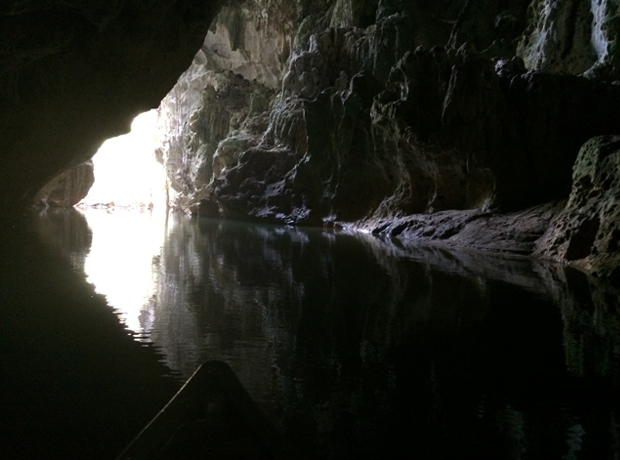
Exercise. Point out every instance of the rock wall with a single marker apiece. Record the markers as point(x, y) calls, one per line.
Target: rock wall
point(412, 119)
point(587, 231)
point(573, 36)
point(320, 112)
point(75, 72)
point(69, 188)
point(225, 94)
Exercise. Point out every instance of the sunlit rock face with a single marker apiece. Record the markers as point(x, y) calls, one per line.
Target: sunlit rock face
point(76, 72)
point(218, 106)
point(226, 94)
point(577, 37)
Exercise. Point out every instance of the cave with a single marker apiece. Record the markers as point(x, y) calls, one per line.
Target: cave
point(394, 193)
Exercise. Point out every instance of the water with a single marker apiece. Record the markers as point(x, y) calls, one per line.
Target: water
point(356, 347)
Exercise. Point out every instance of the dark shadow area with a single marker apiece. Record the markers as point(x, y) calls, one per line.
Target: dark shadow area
point(75, 384)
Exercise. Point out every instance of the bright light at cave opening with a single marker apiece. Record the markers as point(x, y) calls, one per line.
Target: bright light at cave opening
point(126, 172)
point(126, 242)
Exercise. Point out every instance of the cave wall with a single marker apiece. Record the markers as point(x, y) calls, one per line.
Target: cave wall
point(386, 108)
point(75, 72)
point(586, 232)
point(573, 36)
point(68, 188)
point(371, 111)
point(323, 112)
point(226, 93)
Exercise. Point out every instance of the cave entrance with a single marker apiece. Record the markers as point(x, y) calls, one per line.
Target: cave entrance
point(126, 172)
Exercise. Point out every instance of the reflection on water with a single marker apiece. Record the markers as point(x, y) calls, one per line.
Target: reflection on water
point(73, 383)
point(120, 260)
point(357, 347)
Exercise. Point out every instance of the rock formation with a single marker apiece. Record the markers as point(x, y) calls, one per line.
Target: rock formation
point(224, 95)
point(68, 188)
point(444, 120)
point(74, 72)
point(587, 231)
point(575, 37)
point(410, 119)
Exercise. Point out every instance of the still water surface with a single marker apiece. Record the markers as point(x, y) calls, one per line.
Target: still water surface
point(359, 348)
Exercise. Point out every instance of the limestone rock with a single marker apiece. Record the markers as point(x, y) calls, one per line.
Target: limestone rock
point(492, 27)
point(253, 38)
point(444, 131)
point(586, 233)
point(573, 37)
point(317, 58)
point(514, 233)
point(222, 104)
point(69, 188)
point(223, 95)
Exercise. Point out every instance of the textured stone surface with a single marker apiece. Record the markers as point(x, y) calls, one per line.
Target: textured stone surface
point(196, 120)
point(300, 63)
point(392, 111)
point(254, 38)
point(507, 233)
point(333, 112)
point(69, 188)
point(231, 82)
point(445, 131)
point(573, 36)
point(587, 232)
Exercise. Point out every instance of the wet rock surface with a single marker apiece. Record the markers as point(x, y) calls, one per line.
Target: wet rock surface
point(510, 233)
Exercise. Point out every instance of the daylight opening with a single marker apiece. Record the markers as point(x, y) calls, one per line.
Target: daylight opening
point(126, 172)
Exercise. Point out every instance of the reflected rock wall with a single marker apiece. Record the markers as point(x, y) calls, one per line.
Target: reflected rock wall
point(351, 343)
point(330, 331)
point(75, 383)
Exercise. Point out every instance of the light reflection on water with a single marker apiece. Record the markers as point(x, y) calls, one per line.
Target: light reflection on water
point(358, 347)
point(120, 261)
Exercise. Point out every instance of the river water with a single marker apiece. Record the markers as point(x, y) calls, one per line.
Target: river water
point(356, 347)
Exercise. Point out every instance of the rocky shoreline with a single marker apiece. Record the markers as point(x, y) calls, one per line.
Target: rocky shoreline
point(451, 121)
point(443, 124)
